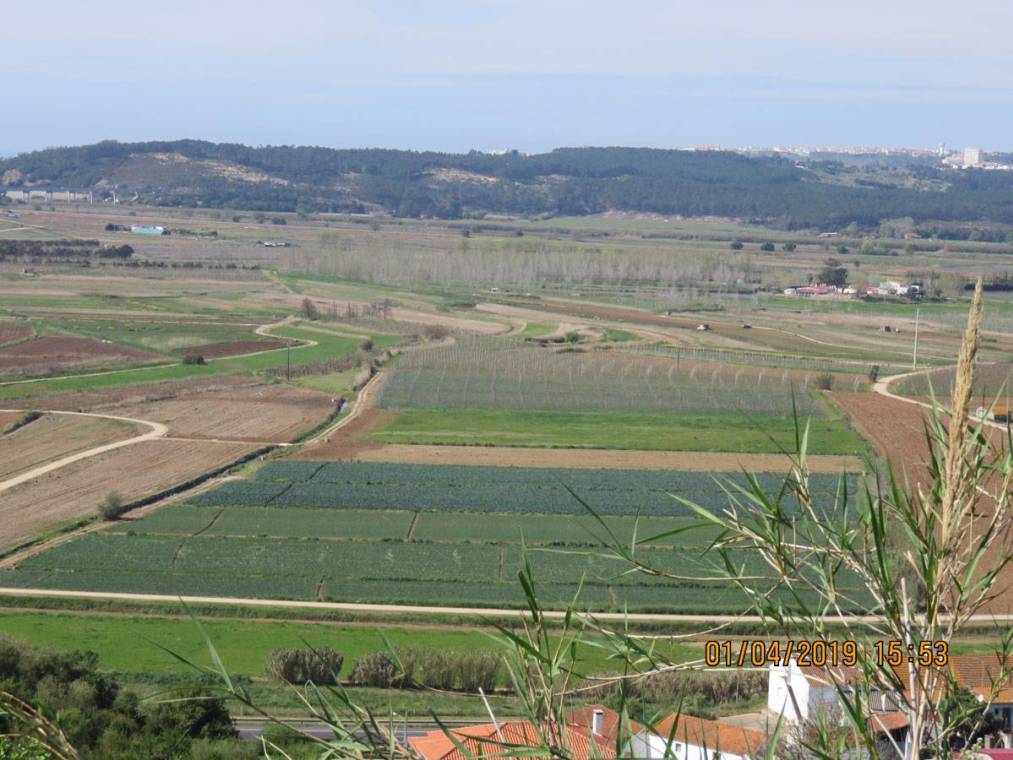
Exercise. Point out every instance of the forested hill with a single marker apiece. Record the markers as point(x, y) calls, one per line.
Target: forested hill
point(817, 194)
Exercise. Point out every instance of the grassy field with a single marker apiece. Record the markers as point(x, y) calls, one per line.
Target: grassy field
point(614, 430)
point(132, 645)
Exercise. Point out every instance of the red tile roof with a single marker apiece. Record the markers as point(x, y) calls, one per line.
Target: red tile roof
point(497, 739)
point(711, 734)
point(888, 721)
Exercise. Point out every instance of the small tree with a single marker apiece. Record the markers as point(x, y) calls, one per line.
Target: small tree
point(768, 247)
point(309, 310)
point(736, 245)
point(111, 507)
point(789, 247)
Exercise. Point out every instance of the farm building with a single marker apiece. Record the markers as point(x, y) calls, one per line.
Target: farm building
point(894, 288)
point(145, 230)
point(808, 291)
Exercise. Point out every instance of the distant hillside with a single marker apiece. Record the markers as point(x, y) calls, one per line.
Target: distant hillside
point(571, 181)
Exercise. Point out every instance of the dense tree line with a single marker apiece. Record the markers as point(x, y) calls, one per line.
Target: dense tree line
point(62, 249)
point(564, 181)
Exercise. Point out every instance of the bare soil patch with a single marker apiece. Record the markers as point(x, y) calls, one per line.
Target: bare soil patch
point(235, 348)
point(134, 472)
point(593, 459)
point(56, 436)
point(11, 332)
point(261, 413)
point(58, 352)
point(352, 440)
point(895, 428)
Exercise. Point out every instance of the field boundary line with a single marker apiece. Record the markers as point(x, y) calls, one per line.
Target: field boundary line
point(428, 610)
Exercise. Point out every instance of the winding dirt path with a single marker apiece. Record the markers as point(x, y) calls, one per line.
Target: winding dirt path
point(156, 430)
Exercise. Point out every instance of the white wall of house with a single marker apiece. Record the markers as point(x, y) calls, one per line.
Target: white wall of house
point(653, 746)
point(797, 698)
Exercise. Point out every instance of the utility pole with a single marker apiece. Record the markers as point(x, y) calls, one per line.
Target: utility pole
point(914, 355)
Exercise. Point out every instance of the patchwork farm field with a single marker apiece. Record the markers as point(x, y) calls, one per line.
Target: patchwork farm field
point(395, 534)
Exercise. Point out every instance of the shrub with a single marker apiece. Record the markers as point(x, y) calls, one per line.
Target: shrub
point(736, 245)
point(366, 345)
point(477, 671)
point(435, 332)
point(321, 666)
point(825, 381)
point(193, 358)
point(376, 669)
point(112, 507)
point(789, 247)
point(767, 247)
point(873, 373)
point(309, 310)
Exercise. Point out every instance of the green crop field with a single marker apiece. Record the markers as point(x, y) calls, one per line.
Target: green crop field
point(460, 488)
point(388, 533)
point(615, 430)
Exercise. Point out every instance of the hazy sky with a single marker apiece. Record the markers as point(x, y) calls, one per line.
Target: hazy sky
point(526, 74)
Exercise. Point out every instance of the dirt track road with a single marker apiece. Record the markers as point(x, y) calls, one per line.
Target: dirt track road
point(420, 609)
point(157, 430)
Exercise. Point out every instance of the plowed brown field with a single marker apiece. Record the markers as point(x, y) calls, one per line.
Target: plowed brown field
point(14, 331)
point(262, 413)
point(76, 490)
point(57, 352)
point(897, 430)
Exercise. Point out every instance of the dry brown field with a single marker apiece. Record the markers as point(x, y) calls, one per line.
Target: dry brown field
point(696, 461)
point(54, 436)
point(54, 352)
point(11, 332)
point(9, 418)
point(134, 472)
point(256, 414)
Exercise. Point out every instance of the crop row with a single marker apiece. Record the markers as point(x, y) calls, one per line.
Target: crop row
point(373, 572)
point(469, 476)
point(475, 375)
point(352, 524)
point(500, 498)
